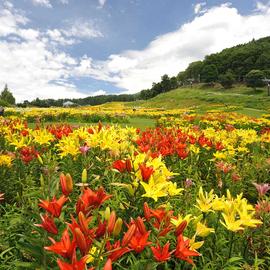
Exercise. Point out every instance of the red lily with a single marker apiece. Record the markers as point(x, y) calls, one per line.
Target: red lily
point(139, 241)
point(182, 153)
point(55, 206)
point(65, 247)
point(82, 235)
point(75, 265)
point(48, 224)
point(162, 254)
point(115, 250)
point(108, 265)
point(101, 229)
point(91, 199)
point(146, 172)
point(183, 251)
point(119, 165)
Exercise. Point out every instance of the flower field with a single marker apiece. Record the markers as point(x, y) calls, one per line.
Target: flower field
point(191, 193)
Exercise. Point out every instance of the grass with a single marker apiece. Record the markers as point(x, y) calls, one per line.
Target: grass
point(136, 122)
point(202, 99)
point(247, 101)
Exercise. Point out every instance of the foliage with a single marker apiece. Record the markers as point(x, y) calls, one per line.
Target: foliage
point(209, 73)
point(152, 199)
point(255, 78)
point(7, 96)
point(226, 80)
point(238, 61)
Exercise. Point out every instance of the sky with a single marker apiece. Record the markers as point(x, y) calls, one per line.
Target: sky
point(78, 48)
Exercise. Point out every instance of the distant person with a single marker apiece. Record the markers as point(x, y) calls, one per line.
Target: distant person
point(2, 110)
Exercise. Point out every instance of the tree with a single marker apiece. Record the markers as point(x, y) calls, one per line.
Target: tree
point(194, 70)
point(226, 80)
point(7, 96)
point(209, 74)
point(255, 78)
point(165, 83)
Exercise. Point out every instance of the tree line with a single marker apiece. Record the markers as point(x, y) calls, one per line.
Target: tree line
point(247, 63)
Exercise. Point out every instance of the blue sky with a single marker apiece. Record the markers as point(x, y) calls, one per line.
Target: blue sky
point(76, 48)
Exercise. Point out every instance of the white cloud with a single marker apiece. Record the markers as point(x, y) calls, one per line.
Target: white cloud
point(45, 3)
point(198, 8)
point(10, 20)
point(98, 93)
point(29, 64)
point(102, 3)
point(33, 64)
point(81, 29)
point(263, 7)
point(207, 33)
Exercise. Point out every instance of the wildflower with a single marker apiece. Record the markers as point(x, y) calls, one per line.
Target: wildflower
point(179, 230)
point(91, 199)
point(262, 207)
point(92, 254)
point(78, 265)
point(161, 254)
point(108, 265)
point(205, 199)
point(146, 172)
point(262, 188)
point(154, 190)
point(55, 206)
point(177, 221)
point(139, 241)
point(202, 230)
point(48, 224)
point(5, 160)
point(116, 251)
point(84, 149)
point(65, 247)
point(236, 177)
point(183, 250)
point(188, 183)
point(119, 165)
point(231, 224)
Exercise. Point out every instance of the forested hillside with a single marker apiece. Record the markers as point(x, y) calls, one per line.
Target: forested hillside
point(247, 63)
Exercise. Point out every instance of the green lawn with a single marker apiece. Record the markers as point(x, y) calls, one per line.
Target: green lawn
point(247, 100)
point(136, 122)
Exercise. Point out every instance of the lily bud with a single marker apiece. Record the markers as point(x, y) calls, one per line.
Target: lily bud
point(80, 240)
point(111, 222)
point(107, 213)
point(179, 230)
point(84, 176)
point(40, 159)
point(117, 227)
point(140, 225)
point(41, 181)
point(146, 211)
point(128, 235)
point(83, 222)
point(66, 184)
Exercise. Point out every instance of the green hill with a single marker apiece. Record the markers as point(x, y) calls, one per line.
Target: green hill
point(239, 98)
